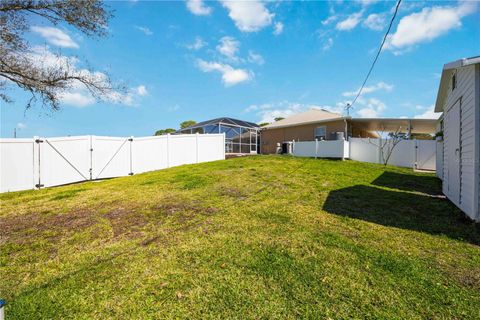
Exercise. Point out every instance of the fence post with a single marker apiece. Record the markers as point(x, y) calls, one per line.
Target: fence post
point(316, 148)
point(415, 150)
point(196, 145)
point(168, 150)
point(224, 145)
point(91, 158)
point(37, 163)
point(131, 158)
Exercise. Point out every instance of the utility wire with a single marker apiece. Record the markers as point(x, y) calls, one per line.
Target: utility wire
point(350, 105)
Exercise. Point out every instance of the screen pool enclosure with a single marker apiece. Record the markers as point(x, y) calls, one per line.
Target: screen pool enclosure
point(240, 136)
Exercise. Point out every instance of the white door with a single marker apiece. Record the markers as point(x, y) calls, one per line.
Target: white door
point(453, 152)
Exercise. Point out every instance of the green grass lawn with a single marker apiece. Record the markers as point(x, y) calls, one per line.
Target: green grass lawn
point(256, 237)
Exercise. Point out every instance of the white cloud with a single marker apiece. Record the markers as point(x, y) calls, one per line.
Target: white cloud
point(369, 89)
point(375, 22)
point(328, 44)
point(230, 75)
point(350, 22)
point(372, 108)
point(76, 99)
point(55, 36)
point(367, 2)
point(173, 108)
point(21, 125)
point(145, 30)
point(229, 47)
point(249, 16)
point(428, 114)
point(141, 90)
point(197, 44)
point(428, 24)
point(197, 7)
point(255, 58)
point(329, 20)
point(278, 28)
point(267, 112)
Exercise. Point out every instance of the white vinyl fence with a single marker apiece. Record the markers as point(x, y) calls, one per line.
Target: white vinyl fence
point(45, 162)
point(418, 154)
point(440, 159)
point(321, 149)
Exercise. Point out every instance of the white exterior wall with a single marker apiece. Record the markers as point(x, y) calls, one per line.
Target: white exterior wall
point(25, 164)
point(467, 92)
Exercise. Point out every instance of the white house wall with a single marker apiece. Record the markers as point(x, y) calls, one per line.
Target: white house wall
point(465, 90)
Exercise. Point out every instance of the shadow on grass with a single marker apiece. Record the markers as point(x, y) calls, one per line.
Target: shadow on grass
point(409, 182)
point(403, 210)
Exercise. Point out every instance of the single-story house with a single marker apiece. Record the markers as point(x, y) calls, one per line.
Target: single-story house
point(325, 125)
point(459, 99)
point(241, 137)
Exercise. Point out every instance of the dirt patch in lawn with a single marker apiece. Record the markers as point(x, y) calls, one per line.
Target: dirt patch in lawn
point(23, 229)
point(126, 220)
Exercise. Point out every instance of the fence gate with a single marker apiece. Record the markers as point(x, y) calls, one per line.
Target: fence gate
point(62, 160)
point(111, 157)
point(425, 151)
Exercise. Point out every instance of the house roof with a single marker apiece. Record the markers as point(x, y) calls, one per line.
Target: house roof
point(447, 73)
point(368, 124)
point(310, 116)
point(224, 120)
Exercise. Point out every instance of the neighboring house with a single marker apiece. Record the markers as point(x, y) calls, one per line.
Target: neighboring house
point(325, 125)
point(459, 99)
point(240, 136)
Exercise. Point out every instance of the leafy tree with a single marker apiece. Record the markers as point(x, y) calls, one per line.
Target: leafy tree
point(279, 118)
point(263, 124)
point(48, 76)
point(164, 131)
point(187, 123)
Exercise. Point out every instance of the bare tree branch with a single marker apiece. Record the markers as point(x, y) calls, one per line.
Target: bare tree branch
point(50, 76)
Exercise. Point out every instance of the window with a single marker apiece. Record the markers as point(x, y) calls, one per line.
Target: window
point(454, 81)
point(321, 133)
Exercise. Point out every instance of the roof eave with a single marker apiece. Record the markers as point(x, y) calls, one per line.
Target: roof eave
point(447, 69)
point(273, 126)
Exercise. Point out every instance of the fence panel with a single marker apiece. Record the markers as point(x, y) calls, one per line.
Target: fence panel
point(18, 158)
point(321, 149)
point(364, 150)
point(439, 159)
point(110, 157)
point(211, 147)
point(426, 154)
point(332, 149)
point(304, 149)
point(64, 160)
point(149, 154)
point(403, 154)
point(182, 149)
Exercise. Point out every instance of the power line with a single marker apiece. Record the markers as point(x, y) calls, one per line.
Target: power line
point(350, 105)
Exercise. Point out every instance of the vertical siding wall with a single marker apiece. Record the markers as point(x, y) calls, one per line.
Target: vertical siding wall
point(466, 92)
point(477, 135)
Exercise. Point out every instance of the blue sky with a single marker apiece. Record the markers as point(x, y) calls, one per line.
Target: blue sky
point(254, 61)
